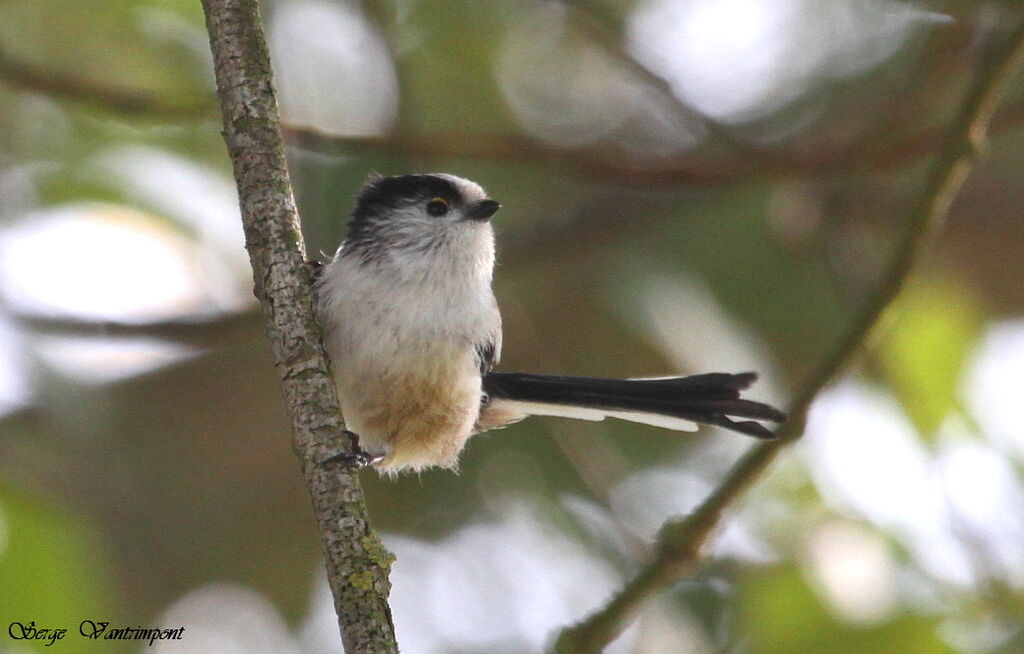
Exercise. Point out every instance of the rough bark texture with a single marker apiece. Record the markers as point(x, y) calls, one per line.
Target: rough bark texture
point(357, 563)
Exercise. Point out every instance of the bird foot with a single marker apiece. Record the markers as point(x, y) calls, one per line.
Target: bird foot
point(356, 459)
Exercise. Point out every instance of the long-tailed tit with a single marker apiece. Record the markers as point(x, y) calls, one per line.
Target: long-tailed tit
point(413, 332)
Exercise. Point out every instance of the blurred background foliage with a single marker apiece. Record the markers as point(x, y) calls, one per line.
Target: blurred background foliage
point(688, 185)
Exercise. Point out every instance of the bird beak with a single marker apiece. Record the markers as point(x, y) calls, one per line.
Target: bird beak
point(483, 210)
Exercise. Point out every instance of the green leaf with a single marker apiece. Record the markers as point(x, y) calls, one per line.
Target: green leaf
point(779, 612)
point(51, 572)
point(924, 352)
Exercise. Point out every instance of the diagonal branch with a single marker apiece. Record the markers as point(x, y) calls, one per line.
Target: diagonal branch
point(357, 563)
point(603, 30)
point(680, 541)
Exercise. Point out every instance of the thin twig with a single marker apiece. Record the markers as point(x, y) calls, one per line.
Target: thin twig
point(603, 30)
point(636, 170)
point(688, 171)
point(118, 100)
point(680, 541)
point(357, 563)
point(198, 331)
point(660, 172)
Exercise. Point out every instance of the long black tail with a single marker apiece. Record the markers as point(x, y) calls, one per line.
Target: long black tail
point(671, 402)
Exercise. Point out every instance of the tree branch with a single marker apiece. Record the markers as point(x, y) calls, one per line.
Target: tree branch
point(687, 171)
point(201, 331)
point(357, 563)
point(604, 31)
point(680, 541)
point(117, 100)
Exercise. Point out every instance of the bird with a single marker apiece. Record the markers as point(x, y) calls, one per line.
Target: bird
point(413, 332)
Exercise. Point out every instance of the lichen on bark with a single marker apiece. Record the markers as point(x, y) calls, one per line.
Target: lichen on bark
point(357, 563)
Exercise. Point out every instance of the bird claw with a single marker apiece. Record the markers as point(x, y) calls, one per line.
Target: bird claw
point(357, 459)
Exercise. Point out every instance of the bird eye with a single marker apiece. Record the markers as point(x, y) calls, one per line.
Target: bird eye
point(437, 207)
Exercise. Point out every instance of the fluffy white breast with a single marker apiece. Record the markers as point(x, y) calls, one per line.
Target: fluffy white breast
point(409, 315)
